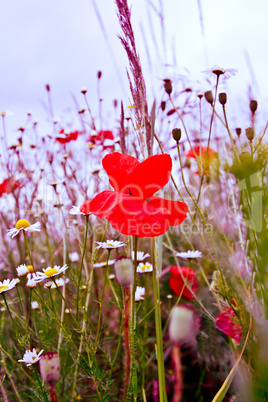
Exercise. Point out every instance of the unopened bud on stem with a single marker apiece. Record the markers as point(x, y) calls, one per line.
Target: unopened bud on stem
point(124, 271)
point(253, 106)
point(250, 133)
point(209, 97)
point(168, 86)
point(223, 98)
point(176, 132)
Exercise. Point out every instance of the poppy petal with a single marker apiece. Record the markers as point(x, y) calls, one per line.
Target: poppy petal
point(225, 323)
point(119, 167)
point(177, 279)
point(137, 218)
point(175, 211)
point(102, 204)
point(150, 176)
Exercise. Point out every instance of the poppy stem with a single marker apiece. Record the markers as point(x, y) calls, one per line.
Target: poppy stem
point(176, 357)
point(80, 268)
point(132, 326)
point(159, 335)
point(127, 345)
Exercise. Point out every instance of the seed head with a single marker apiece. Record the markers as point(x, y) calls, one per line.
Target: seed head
point(238, 131)
point(168, 86)
point(176, 132)
point(253, 104)
point(209, 97)
point(223, 98)
point(250, 133)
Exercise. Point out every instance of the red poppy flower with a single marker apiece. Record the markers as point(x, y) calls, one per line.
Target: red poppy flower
point(225, 322)
point(132, 209)
point(203, 156)
point(71, 137)
point(177, 279)
point(100, 137)
point(8, 185)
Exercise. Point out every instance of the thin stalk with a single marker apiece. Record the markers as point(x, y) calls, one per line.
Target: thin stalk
point(159, 335)
point(80, 268)
point(229, 133)
point(4, 297)
point(176, 356)
point(28, 250)
point(29, 316)
point(65, 302)
point(3, 362)
point(40, 384)
point(127, 346)
point(101, 300)
point(64, 286)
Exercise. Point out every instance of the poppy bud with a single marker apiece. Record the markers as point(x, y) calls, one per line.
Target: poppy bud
point(250, 133)
point(47, 87)
point(238, 131)
point(200, 96)
point(124, 271)
point(176, 132)
point(115, 103)
point(188, 162)
point(182, 327)
point(253, 104)
point(49, 365)
point(163, 105)
point(222, 98)
point(209, 97)
point(99, 74)
point(83, 91)
point(168, 86)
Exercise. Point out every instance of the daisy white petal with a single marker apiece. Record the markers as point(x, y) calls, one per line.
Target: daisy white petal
point(49, 272)
point(75, 211)
point(144, 267)
point(31, 357)
point(59, 283)
point(7, 284)
point(23, 224)
point(190, 254)
point(140, 255)
point(139, 293)
point(103, 264)
point(74, 256)
point(110, 244)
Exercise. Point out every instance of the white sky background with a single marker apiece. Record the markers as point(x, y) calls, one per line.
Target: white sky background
point(60, 42)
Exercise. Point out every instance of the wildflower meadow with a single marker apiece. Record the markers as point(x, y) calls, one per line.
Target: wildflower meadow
point(134, 258)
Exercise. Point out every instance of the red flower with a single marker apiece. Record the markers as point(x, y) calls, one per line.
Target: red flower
point(71, 137)
point(100, 137)
point(8, 185)
point(204, 157)
point(225, 322)
point(132, 209)
point(177, 279)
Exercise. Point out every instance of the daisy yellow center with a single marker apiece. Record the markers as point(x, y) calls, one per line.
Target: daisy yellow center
point(22, 224)
point(33, 357)
point(30, 268)
point(51, 271)
point(3, 288)
point(110, 245)
point(144, 267)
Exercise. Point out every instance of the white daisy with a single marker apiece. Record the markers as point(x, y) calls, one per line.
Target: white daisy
point(7, 284)
point(23, 224)
point(59, 282)
point(74, 256)
point(103, 264)
point(75, 210)
point(31, 283)
point(49, 272)
point(190, 254)
point(144, 267)
point(34, 305)
point(31, 357)
point(24, 270)
point(139, 293)
point(110, 244)
point(140, 255)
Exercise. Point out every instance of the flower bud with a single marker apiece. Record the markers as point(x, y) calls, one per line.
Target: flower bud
point(253, 104)
point(163, 105)
point(238, 131)
point(124, 271)
point(168, 86)
point(99, 74)
point(47, 87)
point(222, 98)
point(49, 365)
point(250, 133)
point(182, 326)
point(209, 97)
point(176, 132)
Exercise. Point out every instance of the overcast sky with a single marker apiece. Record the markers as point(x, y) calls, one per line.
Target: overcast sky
point(61, 42)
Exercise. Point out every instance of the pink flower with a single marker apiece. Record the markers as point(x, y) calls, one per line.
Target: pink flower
point(225, 322)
